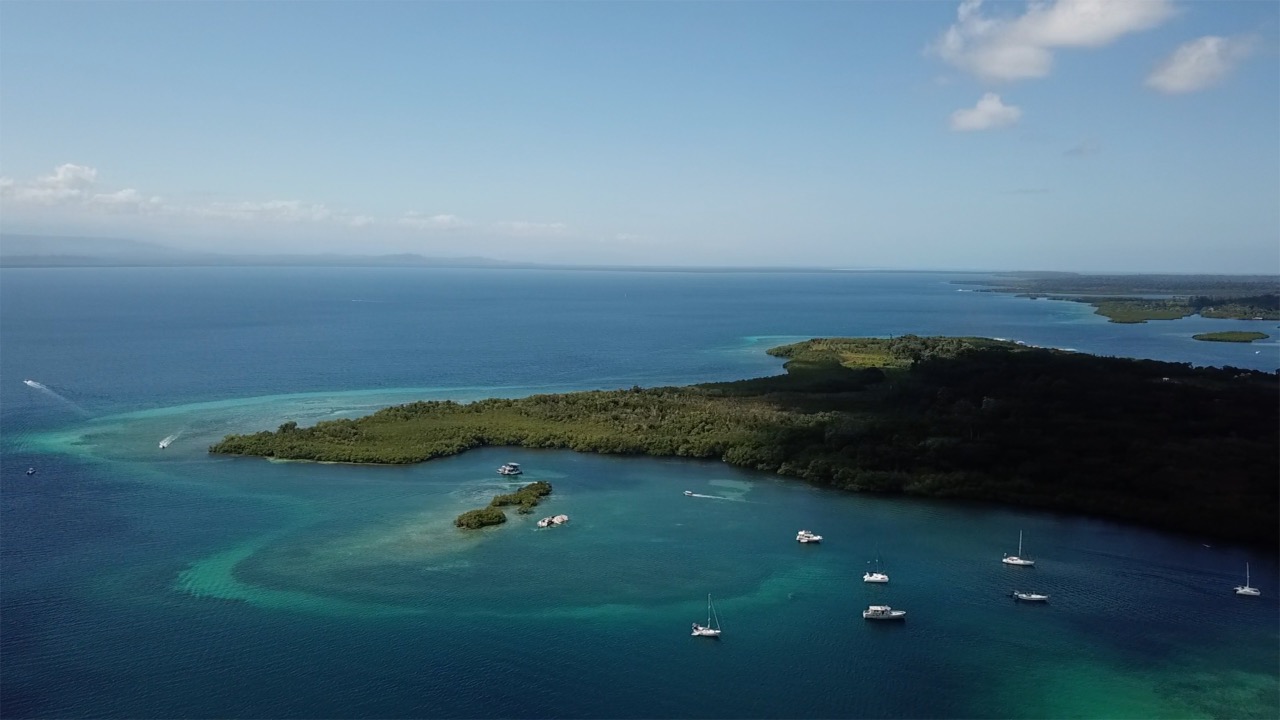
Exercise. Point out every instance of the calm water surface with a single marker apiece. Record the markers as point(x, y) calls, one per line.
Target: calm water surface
point(140, 582)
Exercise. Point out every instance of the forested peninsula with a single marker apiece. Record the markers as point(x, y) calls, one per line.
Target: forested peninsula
point(1163, 444)
point(1139, 298)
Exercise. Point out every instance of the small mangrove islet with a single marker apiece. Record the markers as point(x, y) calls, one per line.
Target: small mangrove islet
point(1236, 336)
point(1163, 444)
point(525, 498)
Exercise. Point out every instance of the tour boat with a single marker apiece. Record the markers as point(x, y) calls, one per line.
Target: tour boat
point(805, 536)
point(1029, 597)
point(1018, 559)
point(510, 469)
point(708, 630)
point(1245, 589)
point(883, 612)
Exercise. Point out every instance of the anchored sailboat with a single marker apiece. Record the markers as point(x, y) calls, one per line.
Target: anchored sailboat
point(1245, 589)
point(1018, 559)
point(708, 630)
point(877, 575)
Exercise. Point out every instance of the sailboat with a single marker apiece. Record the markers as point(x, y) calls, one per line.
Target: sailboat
point(1245, 589)
point(877, 575)
point(708, 630)
point(1018, 559)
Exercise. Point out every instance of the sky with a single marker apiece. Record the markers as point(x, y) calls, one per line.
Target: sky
point(1080, 135)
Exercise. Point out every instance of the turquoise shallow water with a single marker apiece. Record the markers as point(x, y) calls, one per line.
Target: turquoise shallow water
point(140, 582)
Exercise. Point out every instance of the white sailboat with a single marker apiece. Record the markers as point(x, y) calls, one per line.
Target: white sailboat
point(877, 575)
point(1018, 559)
point(1245, 589)
point(708, 630)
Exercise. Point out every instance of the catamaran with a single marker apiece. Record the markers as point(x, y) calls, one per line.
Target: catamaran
point(1018, 559)
point(708, 630)
point(1245, 589)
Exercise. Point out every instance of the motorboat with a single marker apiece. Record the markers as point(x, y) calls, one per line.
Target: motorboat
point(1029, 597)
point(883, 612)
point(553, 521)
point(510, 469)
point(1240, 589)
point(805, 536)
point(688, 493)
point(31, 471)
point(1018, 559)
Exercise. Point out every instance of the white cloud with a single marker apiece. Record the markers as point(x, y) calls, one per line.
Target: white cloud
point(289, 211)
point(433, 222)
point(1022, 47)
point(990, 113)
point(531, 229)
point(1199, 64)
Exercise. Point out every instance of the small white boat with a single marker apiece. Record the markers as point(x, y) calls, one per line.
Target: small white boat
point(31, 471)
point(1018, 559)
point(877, 575)
point(805, 536)
point(167, 441)
point(1245, 589)
point(688, 492)
point(1029, 597)
point(883, 612)
point(510, 469)
point(553, 520)
point(709, 630)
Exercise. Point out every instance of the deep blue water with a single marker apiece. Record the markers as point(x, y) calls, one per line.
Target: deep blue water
point(139, 582)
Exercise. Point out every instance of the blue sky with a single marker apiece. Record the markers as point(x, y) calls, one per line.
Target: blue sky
point(1094, 135)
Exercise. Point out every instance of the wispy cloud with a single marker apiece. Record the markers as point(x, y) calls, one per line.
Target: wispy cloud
point(1084, 148)
point(522, 228)
point(422, 221)
point(989, 114)
point(1199, 64)
point(1022, 47)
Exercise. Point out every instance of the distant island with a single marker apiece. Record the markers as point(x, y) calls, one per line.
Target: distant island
point(1231, 336)
point(1163, 444)
point(1139, 298)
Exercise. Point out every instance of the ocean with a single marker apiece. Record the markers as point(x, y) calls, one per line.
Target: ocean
point(140, 582)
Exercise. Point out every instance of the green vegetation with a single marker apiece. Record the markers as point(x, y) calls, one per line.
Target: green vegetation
point(1231, 336)
point(526, 498)
point(483, 517)
point(1125, 298)
point(1166, 444)
point(1138, 310)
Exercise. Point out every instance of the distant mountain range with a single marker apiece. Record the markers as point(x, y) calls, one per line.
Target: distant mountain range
point(48, 251)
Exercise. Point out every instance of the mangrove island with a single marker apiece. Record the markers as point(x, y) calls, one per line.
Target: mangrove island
point(1163, 444)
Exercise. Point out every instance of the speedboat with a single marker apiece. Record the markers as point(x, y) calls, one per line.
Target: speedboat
point(875, 577)
point(883, 612)
point(688, 492)
point(1029, 597)
point(805, 536)
point(510, 469)
point(31, 471)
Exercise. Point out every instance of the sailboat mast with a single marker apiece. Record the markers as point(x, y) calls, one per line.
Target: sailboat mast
point(1019, 543)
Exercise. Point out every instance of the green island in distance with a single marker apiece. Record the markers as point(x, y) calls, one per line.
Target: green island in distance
point(1231, 336)
point(1167, 445)
point(1139, 298)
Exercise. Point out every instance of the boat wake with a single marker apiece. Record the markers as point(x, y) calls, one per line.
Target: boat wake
point(47, 391)
point(708, 497)
point(169, 440)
